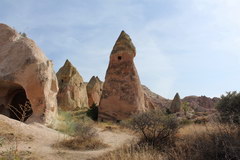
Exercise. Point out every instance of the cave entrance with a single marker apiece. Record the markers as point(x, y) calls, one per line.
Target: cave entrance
point(14, 102)
point(20, 107)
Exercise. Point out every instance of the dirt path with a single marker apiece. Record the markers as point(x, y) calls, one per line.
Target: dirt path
point(37, 139)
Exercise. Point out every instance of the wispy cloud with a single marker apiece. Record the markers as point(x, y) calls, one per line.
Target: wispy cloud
point(187, 46)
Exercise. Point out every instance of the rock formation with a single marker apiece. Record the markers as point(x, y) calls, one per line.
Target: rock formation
point(94, 91)
point(153, 100)
point(122, 92)
point(176, 104)
point(202, 103)
point(72, 90)
point(26, 76)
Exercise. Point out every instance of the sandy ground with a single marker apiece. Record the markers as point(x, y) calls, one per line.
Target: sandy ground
point(36, 140)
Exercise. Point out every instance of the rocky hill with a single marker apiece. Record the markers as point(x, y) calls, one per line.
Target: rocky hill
point(202, 103)
point(153, 100)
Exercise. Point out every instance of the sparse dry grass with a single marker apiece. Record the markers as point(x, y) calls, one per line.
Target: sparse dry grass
point(195, 142)
point(83, 136)
point(132, 152)
point(7, 132)
point(207, 142)
point(193, 129)
point(113, 127)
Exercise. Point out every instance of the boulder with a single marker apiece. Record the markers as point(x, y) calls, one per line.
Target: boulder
point(72, 90)
point(26, 79)
point(122, 91)
point(94, 91)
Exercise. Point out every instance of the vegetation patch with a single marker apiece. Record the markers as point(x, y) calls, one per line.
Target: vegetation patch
point(155, 128)
point(79, 143)
point(216, 143)
point(132, 152)
point(229, 107)
point(79, 127)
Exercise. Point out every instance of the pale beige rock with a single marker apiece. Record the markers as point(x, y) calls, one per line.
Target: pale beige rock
point(25, 73)
point(122, 92)
point(94, 91)
point(72, 90)
point(154, 101)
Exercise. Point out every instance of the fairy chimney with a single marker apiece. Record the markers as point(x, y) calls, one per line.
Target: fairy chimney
point(72, 90)
point(94, 91)
point(176, 104)
point(122, 92)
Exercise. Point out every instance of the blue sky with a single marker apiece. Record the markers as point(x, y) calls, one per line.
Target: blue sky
point(186, 46)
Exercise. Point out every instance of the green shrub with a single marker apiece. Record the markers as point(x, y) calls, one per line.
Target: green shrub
point(93, 112)
point(155, 128)
point(229, 107)
point(23, 34)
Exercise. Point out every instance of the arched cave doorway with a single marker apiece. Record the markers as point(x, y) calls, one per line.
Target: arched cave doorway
point(20, 107)
point(14, 102)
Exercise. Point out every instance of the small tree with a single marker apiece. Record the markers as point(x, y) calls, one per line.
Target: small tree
point(23, 34)
point(229, 107)
point(185, 106)
point(176, 104)
point(155, 128)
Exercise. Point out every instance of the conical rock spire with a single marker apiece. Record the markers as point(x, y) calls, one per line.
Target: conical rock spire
point(72, 90)
point(122, 93)
point(124, 43)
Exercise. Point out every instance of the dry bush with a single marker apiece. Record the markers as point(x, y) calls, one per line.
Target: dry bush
point(24, 111)
point(221, 142)
point(79, 143)
point(155, 128)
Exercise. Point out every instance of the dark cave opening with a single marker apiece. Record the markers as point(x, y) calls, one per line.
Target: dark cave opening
point(20, 107)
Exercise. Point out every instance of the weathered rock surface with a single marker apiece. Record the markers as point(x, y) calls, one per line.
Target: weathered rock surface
point(202, 103)
point(122, 92)
point(72, 90)
point(94, 91)
point(176, 104)
point(153, 100)
point(26, 74)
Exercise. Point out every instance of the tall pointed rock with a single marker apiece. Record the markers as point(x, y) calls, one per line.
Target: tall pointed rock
point(94, 91)
point(176, 104)
point(72, 90)
point(122, 92)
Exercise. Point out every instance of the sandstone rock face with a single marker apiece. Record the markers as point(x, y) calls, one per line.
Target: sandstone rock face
point(122, 92)
point(72, 90)
point(26, 75)
point(153, 100)
point(94, 91)
point(176, 104)
point(202, 103)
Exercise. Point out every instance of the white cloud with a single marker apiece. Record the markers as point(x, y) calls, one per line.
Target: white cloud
point(179, 43)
